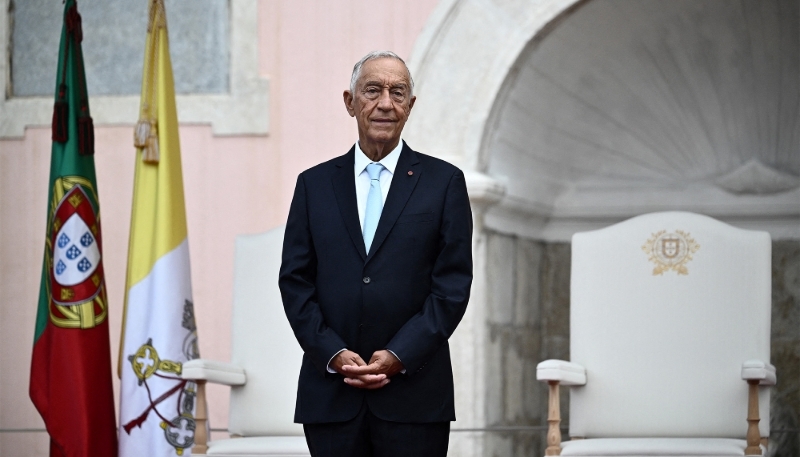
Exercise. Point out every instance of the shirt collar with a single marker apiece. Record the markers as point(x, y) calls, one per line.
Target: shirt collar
point(390, 161)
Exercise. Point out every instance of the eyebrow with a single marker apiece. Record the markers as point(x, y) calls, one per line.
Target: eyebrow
point(403, 85)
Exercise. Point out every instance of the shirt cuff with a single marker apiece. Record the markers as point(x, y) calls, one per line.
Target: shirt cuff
point(403, 371)
point(331, 370)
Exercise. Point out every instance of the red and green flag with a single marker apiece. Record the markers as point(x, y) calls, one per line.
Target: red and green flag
point(70, 382)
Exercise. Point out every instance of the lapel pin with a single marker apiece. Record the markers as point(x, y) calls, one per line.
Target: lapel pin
point(410, 173)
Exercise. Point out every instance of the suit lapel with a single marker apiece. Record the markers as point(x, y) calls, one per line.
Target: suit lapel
point(344, 186)
point(403, 184)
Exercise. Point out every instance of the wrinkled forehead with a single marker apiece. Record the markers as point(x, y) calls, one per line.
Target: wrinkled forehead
point(385, 70)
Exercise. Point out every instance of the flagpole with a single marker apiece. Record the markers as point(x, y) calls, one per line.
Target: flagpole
point(157, 407)
point(71, 374)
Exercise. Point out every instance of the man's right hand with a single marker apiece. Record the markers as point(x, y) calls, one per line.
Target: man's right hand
point(363, 381)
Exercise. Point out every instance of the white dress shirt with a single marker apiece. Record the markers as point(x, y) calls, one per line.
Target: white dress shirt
point(362, 190)
point(362, 177)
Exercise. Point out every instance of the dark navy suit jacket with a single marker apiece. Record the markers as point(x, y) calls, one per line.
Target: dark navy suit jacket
point(407, 295)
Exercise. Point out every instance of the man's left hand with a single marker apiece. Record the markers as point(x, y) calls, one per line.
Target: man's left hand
point(381, 362)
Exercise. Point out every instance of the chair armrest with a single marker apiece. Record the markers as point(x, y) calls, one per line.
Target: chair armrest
point(566, 373)
point(757, 370)
point(213, 371)
point(202, 370)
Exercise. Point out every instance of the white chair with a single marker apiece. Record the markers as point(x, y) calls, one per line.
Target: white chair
point(669, 341)
point(265, 361)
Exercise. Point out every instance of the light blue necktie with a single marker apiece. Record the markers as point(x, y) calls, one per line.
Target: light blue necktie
point(374, 203)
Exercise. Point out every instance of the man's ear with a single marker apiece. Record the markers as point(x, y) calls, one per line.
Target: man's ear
point(348, 103)
point(411, 103)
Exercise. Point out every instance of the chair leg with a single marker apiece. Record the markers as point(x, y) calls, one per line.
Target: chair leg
point(554, 421)
point(753, 435)
point(201, 421)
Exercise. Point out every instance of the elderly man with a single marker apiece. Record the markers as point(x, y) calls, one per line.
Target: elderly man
point(376, 274)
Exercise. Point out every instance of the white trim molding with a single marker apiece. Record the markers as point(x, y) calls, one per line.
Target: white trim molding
point(244, 110)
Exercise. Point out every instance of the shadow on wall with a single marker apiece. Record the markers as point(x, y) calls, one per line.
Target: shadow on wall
point(785, 423)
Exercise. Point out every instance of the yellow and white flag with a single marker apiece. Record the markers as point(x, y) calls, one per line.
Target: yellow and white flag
point(158, 332)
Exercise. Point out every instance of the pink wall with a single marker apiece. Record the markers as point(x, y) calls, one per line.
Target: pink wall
point(233, 185)
point(308, 50)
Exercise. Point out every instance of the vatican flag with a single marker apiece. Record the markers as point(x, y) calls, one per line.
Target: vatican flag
point(156, 406)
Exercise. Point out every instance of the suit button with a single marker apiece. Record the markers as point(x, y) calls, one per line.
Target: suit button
point(366, 280)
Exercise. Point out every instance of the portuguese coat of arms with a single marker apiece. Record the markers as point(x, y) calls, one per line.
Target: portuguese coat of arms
point(73, 257)
point(670, 251)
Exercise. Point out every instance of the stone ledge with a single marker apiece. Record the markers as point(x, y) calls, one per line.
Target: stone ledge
point(243, 111)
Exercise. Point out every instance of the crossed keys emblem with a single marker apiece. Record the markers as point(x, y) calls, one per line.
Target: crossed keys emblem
point(145, 362)
point(178, 432)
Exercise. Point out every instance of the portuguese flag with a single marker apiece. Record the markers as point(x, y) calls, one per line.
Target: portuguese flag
point(70, 381)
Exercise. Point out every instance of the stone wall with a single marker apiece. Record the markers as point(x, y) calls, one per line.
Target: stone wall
point(785, 420)
point(528, 321)
point(113, 45)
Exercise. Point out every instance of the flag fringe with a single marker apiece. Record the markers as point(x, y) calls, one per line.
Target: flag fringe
point(60, 117)
point(85, 136)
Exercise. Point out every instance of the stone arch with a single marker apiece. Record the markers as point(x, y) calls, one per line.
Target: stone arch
point(473, 65)
point(704, 106)
point(472, 75)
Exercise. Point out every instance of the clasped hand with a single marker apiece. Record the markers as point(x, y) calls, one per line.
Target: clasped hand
point(357, 373)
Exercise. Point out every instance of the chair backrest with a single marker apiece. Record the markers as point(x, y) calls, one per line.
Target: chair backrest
point(262, 342)
point(664, 309)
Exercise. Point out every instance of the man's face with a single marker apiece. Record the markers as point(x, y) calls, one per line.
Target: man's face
point(381, 103)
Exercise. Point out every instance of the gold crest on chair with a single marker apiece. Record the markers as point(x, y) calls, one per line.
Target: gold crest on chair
point(670, 251)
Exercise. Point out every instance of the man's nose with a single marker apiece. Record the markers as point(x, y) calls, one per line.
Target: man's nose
point(385, 100)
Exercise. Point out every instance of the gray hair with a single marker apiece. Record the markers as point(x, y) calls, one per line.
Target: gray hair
point(378, 55)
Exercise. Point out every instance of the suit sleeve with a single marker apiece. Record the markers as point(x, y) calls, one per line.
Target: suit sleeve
point(297, 280)
point(451, 279)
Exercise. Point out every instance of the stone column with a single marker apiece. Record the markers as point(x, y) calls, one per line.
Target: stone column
point(468, 343)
